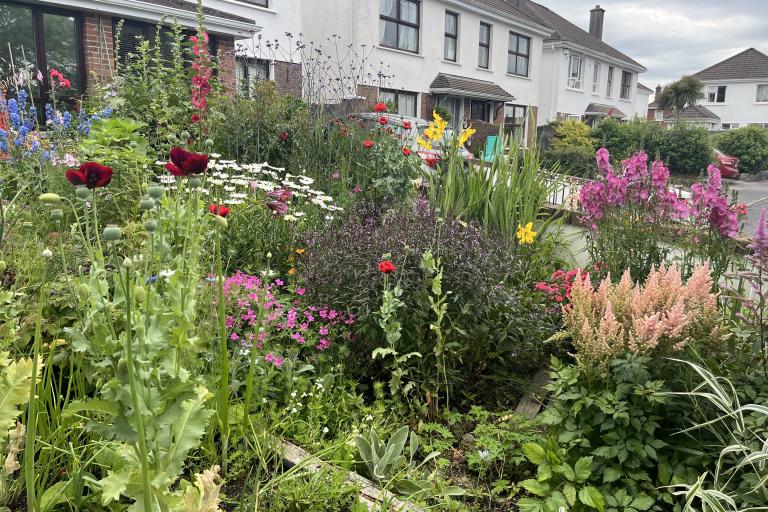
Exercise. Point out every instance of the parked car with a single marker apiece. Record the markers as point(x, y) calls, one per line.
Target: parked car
point(370, 120)
point(728, 165)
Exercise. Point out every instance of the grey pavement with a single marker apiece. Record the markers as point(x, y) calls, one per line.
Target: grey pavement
point(755, 195)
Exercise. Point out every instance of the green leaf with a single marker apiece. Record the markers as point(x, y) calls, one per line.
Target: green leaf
point(187, 431)
point(97, 405)
point(570, 493)
point(15, 381)
point(642, 502)
point(566, 470)
point(113, 485)
point(54, 495)
point(591, 497)
point(535, 487)
point(530, 505)
point(583, 469)
point(535, 453)
point(611, 474)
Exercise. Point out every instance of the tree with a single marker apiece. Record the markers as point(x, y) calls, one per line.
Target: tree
point(681, 93)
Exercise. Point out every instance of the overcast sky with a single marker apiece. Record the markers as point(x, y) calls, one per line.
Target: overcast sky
point(674, 37)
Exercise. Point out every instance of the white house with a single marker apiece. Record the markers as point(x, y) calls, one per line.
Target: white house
point(736, 90)
point(642, 100)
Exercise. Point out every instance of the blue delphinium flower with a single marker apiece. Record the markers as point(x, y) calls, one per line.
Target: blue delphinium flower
point(13, 113)
point(67, 119)
point(23, 99)
point(3, 141)
point(49, 112)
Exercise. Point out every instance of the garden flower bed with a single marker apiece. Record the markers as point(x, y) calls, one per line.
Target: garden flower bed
point(182, 324)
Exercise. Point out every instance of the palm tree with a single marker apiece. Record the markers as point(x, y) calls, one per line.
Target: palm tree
point(680, 94)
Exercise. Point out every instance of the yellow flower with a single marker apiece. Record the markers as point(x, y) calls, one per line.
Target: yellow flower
point(300, 251)
point(292, 271)
point(423, 143)
point(526, 234)
point(465, 135)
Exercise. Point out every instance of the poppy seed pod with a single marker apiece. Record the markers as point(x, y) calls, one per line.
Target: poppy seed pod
point(155, 192)
point(57, 215)
point(208, 143)
point(47, 254)
point(140, 293)
point(127, 262)
point(221, 221)
point(3, 266)
point(82, 291)
point(185, 135)
point(50, 198)
point(82, 193)
point(194, 182)
point(112, 233)
point(146, 204)
point(150, 226)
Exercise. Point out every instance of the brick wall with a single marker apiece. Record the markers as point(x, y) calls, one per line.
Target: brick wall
point(98, 48)
point(225, 47)
point(287, 77)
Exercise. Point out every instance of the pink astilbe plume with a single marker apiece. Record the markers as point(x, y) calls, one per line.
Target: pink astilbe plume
point(656, 318)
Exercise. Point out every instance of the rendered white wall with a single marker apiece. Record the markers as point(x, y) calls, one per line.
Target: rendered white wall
point(740, 103)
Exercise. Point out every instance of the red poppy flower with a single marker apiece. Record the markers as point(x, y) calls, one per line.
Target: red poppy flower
point(183, 162)
point(195, 118)
point(383, 121)
point(283, 136)
point(406, 152)
point(277, 207)
point(90, 174)
point(431, 162)
point(220, 210)
point(281, 195)
point(386, 267)
point(380, 107)
point(65, 83)
point(407, 125)
point(367, 144)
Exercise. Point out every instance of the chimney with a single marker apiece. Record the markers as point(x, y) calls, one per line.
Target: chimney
point(658, 91)
point(596, 16)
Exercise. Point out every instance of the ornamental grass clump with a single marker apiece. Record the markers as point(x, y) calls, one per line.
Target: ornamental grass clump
point(656, 318)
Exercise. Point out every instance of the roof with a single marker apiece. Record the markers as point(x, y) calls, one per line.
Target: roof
point(643, 88)
point(505, 7)
point(597, 109)
point(189, 6)
point(564, 30)
point(748, 64)
point(471, 87)
point(697, 112)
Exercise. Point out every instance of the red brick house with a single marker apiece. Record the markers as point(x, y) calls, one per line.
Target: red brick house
point(78, 37)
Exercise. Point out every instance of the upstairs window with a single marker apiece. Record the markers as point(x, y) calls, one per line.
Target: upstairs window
point(716, 94)
point(484, 58)
point(575, 67)
point(451, 36)
point(626, 84)
point(762, 93)
point(260, 3)
point(399, 24)
point(609, 86)
point(596, 78)
point(518, 54)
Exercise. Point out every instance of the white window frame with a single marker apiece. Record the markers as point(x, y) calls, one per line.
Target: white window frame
point(658, 115)
point(712, 93)
point(625, 73)
point(609, 83)
point(757, 95)
point(596, 78)
point(575, 82)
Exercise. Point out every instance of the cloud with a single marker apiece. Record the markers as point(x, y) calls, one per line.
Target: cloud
point(675, 37)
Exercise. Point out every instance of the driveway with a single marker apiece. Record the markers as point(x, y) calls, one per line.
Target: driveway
point(755, 195)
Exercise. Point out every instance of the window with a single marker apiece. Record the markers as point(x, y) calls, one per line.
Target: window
point(658, 115)
point(575, 65)
point(480, 110)
point(626, 85)
point(609, 87)
point(127, 39)
point(716, 94)
point(44, 39)
point(399, 24)
point(248, 71)
point(454, 105)
point(260, 3)
point(451, 36)
point(404, 102)
point(762, 93)
point(484, 59)
point(514, 121)
point(730, 126)
point(518, 54)
point(596, 78)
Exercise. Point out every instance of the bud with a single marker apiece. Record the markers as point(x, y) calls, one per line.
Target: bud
point(50, 198)
point(146, 204)
point(156, 192)
point(185, 135)
point(57, 215)
point(127, 262)
point(3, 266)
point(150, 226)
point(82, 193)
point(140, 293)
point(221, 221)
point(112, 233)
point(133, 144)
point(82, 291)
point(194, 182)
point(47, 254)
point(269, 255)
point(208, 143)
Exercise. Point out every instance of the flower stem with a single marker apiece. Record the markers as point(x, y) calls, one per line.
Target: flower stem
point(29, 447)
point(223, 408)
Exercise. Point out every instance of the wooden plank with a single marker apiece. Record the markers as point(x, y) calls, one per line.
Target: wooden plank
point(370, 495)
point(530, 405)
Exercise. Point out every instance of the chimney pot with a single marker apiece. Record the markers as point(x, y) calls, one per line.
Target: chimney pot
point(596, 17)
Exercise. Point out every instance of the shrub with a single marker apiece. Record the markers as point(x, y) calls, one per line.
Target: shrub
point(572, 147)
point(749, 144)
point(687, 149)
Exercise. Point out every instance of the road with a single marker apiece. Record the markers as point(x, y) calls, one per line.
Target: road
point(755, 195)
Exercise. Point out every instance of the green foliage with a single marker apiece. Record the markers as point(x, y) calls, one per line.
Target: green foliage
point(570, 133)
point(316, 491)
point(687, 149)
point(749, 144)
point(681, 93)
point(625, 139)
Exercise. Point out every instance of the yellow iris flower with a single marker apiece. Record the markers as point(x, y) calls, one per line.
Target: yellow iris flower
point(465, 135)
point(423, 143)
point(526, 234)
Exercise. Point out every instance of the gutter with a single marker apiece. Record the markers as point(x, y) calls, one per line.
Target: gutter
point(469, 94)
point(477, 7)
point(147, 11)
point(603, 56)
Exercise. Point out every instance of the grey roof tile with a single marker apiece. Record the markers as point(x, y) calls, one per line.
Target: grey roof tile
point(471, 86)
point(749, 64)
